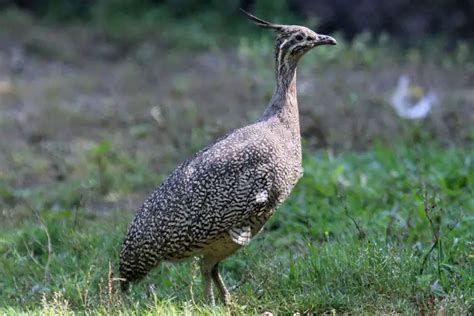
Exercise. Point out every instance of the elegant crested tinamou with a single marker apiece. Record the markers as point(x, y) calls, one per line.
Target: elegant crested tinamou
point(217, 200)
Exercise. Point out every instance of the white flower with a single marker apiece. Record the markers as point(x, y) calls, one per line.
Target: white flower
point(401, 103)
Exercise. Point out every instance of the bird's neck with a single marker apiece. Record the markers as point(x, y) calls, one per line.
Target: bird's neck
point(283, 105)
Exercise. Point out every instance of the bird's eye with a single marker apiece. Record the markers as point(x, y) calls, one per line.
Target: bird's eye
point(299, 37)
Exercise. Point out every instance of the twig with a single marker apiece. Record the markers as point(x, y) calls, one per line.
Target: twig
point(109, 281)
point(48, 237)
point(392, 218)
point(428, 209)
point(50, 250)
point(360, 231)
point(85, 296)
point(31, 255)
point(425, 258)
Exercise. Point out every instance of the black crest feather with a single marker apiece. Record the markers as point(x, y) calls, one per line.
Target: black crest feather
point(262, 23)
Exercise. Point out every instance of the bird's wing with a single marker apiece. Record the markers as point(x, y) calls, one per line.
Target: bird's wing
point(226, 185)
point(218, 189)
point(232, 189)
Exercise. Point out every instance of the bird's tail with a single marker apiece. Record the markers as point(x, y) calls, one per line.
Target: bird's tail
point(137, 256)
point(130, 272)
point(130, 269)
point(135, 263)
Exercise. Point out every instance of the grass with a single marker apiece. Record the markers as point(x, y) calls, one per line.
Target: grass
point(95, 116)
point(355, 236)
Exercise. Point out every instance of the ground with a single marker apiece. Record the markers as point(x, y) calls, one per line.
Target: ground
point(90, 124)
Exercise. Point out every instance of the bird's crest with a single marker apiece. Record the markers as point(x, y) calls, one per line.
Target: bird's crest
point(262, 23)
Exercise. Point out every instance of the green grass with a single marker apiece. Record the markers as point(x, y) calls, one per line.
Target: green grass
point(383, 230)
point(355, 236)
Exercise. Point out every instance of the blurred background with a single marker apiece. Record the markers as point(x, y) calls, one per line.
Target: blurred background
point(100, 100)
point(174, 75)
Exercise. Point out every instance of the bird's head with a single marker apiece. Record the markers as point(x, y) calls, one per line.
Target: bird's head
point(293, 41)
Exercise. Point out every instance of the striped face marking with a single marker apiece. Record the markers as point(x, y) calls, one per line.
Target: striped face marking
point(292, 44)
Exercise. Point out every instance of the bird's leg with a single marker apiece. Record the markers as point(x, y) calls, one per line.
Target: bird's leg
point(225, 295)
point(206, 272)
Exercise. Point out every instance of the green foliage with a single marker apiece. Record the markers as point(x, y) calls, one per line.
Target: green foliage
point(386, 230)
point(355, 236)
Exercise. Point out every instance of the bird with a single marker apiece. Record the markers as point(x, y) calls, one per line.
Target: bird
point(214, 202)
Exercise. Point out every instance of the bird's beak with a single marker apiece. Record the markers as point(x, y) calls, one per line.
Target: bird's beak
point(324, 40)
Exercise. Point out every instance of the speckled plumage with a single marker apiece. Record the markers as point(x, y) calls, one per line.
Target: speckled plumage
point(214, 202)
